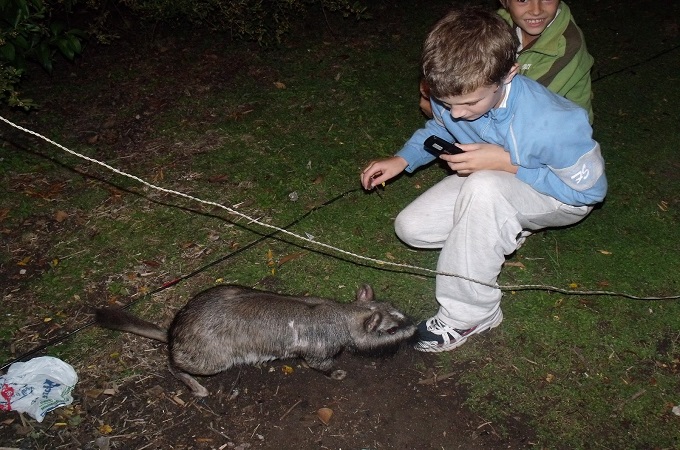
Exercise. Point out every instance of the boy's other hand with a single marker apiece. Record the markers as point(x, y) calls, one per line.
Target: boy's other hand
point(378, 172)
point(480, 156)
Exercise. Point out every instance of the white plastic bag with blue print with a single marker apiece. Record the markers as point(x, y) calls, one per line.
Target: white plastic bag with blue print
point(37, 386)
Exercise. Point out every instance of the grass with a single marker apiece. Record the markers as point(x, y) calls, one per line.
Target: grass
point(586, 371)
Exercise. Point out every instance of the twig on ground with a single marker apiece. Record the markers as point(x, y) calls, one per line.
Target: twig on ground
point(218, 432)
point(290, 409)
point(635, 396)
point(435, 378)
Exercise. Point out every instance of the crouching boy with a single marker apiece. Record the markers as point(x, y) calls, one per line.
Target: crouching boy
point(529, 162)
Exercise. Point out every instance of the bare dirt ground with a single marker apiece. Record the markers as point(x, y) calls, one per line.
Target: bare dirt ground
point(406, 401)
point(399, 402)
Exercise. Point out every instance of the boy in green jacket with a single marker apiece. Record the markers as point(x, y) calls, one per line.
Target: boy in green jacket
point(552, 50)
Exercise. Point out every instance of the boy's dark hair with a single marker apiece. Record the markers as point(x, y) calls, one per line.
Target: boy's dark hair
point(468, 48)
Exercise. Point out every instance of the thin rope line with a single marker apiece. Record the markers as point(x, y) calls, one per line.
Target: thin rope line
point(330, 247)
point(639, 63)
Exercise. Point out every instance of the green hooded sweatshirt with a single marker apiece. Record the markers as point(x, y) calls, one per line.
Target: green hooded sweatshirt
point(559, 59)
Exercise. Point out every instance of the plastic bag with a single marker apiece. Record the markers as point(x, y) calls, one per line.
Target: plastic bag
point(37, 386)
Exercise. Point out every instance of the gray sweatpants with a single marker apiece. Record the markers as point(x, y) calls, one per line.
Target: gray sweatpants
point(476, 221)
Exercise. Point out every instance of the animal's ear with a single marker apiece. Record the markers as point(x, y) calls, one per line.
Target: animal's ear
point(365, 293)
point(373, 322)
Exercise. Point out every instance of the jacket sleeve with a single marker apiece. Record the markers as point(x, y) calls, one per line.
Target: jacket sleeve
point(414, 151)
point(569, 75)
point(561, 159)
point(582, 183)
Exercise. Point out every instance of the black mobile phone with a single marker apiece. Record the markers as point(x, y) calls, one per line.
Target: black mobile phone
point(437, 145)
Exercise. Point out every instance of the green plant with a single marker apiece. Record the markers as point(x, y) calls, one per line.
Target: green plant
point(9, 78)
point(259, 20)
point(28, 32)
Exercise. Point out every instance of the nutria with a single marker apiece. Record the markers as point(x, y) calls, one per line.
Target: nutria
point(230, 325)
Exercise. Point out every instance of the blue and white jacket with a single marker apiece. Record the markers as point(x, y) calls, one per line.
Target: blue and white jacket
point(547, 136)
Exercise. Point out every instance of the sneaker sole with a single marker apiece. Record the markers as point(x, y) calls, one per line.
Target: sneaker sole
point(452, 345)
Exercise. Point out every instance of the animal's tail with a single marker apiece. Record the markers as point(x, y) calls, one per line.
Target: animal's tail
point(121, 320)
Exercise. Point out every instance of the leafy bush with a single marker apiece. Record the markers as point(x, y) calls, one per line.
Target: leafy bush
point(264, 21)
point(28, 33)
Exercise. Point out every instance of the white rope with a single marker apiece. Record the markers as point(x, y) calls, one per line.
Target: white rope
point(327, 246)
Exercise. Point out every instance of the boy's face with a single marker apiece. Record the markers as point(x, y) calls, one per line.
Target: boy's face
point(475, 104)
point(532, 16)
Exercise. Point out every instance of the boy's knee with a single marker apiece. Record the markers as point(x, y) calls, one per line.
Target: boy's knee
point(484, 185)
point(406, 228)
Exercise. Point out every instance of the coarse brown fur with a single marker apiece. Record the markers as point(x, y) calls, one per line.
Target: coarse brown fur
point(229, 325)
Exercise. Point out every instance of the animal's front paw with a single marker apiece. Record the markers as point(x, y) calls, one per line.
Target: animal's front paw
point(338, 374)
point(199, 391)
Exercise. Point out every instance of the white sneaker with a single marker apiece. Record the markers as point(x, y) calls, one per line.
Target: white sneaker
point(435, 336)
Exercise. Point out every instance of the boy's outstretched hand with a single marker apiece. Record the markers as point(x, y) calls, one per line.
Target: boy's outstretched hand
point(378, 172)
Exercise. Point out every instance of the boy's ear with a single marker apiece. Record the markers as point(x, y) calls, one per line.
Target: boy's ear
point(513, 71)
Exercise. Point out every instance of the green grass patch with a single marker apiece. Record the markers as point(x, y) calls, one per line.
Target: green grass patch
point(585, 371)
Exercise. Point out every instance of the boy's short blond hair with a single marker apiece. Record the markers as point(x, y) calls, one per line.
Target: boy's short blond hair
point(468, 48)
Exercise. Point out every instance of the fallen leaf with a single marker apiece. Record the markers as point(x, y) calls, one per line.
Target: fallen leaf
point(156, 391)
point(290, 257)
point(158, 176)
point(515, 264)
point(105, 429)
point(270, 258)
point(324, 415)
point(549, 378)
point(60, 216)
point(605, 252)
point(75, 421)
point(143, 290)
point(287, 370)
point(24, 262)
point(219, 178)
point(114, 192)
point(573, 285)
point(279, 85)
